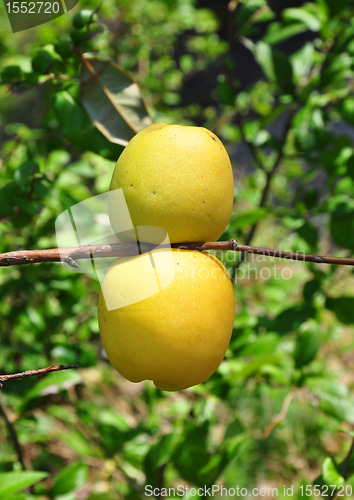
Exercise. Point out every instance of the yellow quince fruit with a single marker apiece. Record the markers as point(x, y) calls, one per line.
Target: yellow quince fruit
point(178, 335)
point(178, 178)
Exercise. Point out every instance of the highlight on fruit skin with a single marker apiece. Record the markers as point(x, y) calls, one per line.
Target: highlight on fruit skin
point(178, 336)
point(178, 178)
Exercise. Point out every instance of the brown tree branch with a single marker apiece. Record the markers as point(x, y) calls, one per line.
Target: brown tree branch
point(280, 417)
point(33, 373)
point(72, 254)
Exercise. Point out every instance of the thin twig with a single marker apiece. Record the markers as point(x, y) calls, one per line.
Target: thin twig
point(161, 481)
point(13, 437)
point(347, 458)
point(72, 254)
point(280, 417)
point(33, 373)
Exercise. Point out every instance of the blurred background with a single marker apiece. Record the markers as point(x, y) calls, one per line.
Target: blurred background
point(274, 80)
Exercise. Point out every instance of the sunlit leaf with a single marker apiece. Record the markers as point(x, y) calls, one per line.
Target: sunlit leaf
point(53, 383)
point(330, 473)
point(113, 100)
point(70, 478)
point(11, 482)
point(312, 22)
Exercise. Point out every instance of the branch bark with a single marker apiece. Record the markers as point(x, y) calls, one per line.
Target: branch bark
point(33, 373)
point(72, 254)
point(280, 417)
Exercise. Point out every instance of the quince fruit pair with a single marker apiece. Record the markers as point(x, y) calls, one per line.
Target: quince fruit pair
point(180, 179)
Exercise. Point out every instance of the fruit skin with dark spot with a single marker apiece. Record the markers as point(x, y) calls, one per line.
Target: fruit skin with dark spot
point(178, 178)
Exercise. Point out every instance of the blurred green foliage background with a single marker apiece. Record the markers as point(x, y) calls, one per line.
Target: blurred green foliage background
point(274, 80)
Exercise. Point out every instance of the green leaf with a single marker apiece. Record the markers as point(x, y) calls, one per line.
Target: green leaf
point(28, 206)
point(234, 429)
point(276, 33)
point(337, 69)
point(310, 288)
point(53, 383)
point(113, 100)
point(71, 478)
point(275, 65)
point(342, 222)
point(303, 60)
point(79, 443)
point(263, 345)
point(11, 482)
point(312, 22)
point(114, 430)
point(24, 173)
point(79, 129)
point(290, 319)
point(243, 220)
point(310, 197)
point(81, 19)
point(348, 109)
point(64, 48)
point(309, 233)
point(263, 54)
point(257, 365)
point(225, 93)
point(108, 496)
point(7, 195)
point(343, 308)
point(191, 456)
point(252, 11)
point(334, 398)
point(45, 59)
point(283, 72)
point(330, 473)
point(11, 74)
point(19, 496)
point(336, 6)
point(349, 464)
point(305, 138)
point(307, 345)
point(159, 455)
point(234, 437)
